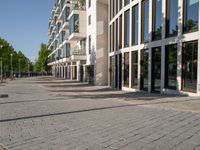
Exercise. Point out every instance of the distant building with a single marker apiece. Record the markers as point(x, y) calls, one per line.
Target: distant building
point(78, 40)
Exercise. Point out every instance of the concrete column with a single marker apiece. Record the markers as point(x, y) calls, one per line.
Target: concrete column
point(162, 86)
point(130, 69)
point(150, 70)
point(179, 48)
point(150, 19)
point(65, 76)
point(139, 23)
point(122, 69)
point(163, 46)
point(150, 50)
point(60, 71)
point(71, 73)
point(139, 69)
point(123, 29)
point(198, 72)
point(78, 71)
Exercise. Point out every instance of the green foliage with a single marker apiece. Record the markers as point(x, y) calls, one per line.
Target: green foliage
point(17, 58)
point(42, 61)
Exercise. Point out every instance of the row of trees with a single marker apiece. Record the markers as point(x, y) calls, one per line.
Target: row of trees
point(18, 58)
point(20, 62)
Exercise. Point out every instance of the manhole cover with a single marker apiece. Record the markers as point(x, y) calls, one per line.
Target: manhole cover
point(3, 95)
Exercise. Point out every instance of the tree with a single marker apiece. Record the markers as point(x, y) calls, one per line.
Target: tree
point(41, 64)
point(5, 52)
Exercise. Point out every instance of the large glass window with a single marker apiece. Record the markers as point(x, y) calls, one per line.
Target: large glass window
point(113, 8)
point(157, 20)
point(120, 4)
point(120, 31)
point(189, 66)
point(191, 15)
point(171, 66)
point(126, 2)
point(127, 28)
point(112, 71)
point(90, 44)
point(134, 70)
point(156, 69)
point(116, 36)
point(89, 3)
point(145, 21)
point(113, 36)
point(135, 25)
point(67, 50)
point(66, 14)
point(74, 24)
point(110, 38)
point(172, 18)
point(126, 69)
point(144, 69)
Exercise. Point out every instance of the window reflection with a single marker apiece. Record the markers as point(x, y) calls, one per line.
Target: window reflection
point(157, 19)
point(135, 25)
point(172, 18)
point(191, 15)
point(127, 28)
point(145, 21)
point(171, 66)
point(126, 69)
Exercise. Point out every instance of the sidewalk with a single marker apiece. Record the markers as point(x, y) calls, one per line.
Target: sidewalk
point(43, 113)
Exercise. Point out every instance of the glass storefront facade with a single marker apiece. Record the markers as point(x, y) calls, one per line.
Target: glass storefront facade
point(159, 44)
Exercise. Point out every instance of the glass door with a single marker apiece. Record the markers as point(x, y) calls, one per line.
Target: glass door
point(156, 69)
point(144, 69)
point(189, 66)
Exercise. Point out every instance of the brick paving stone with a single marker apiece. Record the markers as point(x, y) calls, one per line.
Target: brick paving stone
point(35, 117)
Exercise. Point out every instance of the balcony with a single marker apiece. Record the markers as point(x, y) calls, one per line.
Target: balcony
point(77, 26)
point(78, 54)
point(78, 6)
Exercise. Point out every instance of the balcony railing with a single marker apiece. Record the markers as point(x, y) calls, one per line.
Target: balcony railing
point(78, 51)
point(78, 6)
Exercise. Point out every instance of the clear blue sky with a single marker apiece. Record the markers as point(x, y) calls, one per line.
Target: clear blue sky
point(24, 24)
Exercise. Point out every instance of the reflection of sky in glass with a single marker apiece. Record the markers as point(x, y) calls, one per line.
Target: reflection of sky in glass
point(136, 24)
point(193, 10)
point(158, 14)
point(146, 20)
point(173, 16)
point(127, 29)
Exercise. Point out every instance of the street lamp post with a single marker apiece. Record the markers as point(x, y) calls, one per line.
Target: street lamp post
point(11, 67)
point(1, 46)
point(19, 69)
point(1, 70)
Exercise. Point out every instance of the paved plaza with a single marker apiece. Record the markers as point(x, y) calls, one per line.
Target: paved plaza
point(47, 114)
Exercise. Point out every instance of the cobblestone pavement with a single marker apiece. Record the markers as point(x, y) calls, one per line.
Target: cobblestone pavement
point(47, 114)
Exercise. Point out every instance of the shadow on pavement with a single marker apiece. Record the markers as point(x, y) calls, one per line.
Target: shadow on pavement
point(80, 111)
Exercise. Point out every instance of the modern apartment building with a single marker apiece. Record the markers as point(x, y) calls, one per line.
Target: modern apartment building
point(138, 45)
point(78, 40)
point(155, 45)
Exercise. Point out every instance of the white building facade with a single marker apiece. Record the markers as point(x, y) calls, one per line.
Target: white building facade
point(154, 45)
point(74, 29)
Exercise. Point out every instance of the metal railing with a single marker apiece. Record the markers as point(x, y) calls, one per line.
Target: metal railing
point(78, 51)
point(78, 6)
